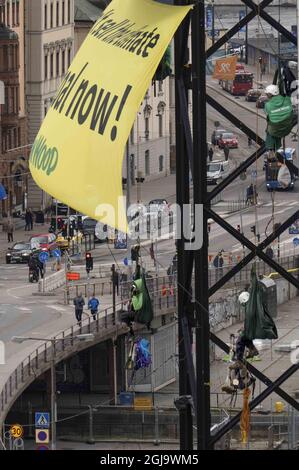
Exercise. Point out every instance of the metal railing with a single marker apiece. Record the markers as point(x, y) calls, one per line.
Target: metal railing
point(243, 276)
point(39, 360)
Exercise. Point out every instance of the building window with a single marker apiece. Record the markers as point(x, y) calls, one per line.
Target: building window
point(46, 67)
point(161, 163)
point(57, 64)
point(160, 86)
point(51, 15)
point(160, 117)
point(63, 63)
point(63, 13)
point(147, 162)
point(46, 16)
point(19, 137)
point(132, 140)
point(57, 13)
point(69, 57)
point(51, 66)
point(17, 13)
point(69, 11)
point(8, 14)
point(146, 127)
point(13, 7)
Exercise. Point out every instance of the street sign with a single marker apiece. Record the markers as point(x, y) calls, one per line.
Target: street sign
point(73, 276)
point(56, 253)
point(296, 241)
point(42, 436)
point(42, 420)
point(43, 256)
point(253, 174)
point(243, 176)
point(144, 404)
point(16, 431)
point(121, 241)
point(242, 14)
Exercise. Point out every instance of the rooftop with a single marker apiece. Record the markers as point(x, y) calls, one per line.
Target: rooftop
point(88, 10)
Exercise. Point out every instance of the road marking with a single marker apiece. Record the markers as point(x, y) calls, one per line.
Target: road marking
point(24, 309)
point(56, 307)
point(15, 288)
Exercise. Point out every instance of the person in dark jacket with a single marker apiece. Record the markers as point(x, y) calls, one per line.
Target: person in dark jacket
point(115, 280)
point(210, 154)
point(226, 152)
point(79, 303)
point(27, 220)
point(93, 306)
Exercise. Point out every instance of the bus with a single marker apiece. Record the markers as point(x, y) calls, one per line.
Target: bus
point(240, 85)
point(273, 168)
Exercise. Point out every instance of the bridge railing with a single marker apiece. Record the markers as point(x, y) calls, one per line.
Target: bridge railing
point(39, 360)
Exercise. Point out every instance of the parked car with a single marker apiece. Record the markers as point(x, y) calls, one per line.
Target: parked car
point(216, 171)
point(253, 94)
point(44, 241)
point(19, 253)
point(159, 205)
point(62, 209)
point(216, 134)
point(261, 101)
point(229, 139)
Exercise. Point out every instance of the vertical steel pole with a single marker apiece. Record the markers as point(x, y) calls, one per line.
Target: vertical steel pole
point(200, 197)
point(113, 294)
point(182, 184)
point(246, 38)
point(53, 399)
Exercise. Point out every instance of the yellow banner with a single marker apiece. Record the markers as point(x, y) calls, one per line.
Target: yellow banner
point(225, 68)
point(78, 152)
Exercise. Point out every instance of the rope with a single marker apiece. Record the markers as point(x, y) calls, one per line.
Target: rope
point(245, 416)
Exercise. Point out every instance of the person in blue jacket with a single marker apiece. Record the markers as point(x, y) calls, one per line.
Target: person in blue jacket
point(93, 306)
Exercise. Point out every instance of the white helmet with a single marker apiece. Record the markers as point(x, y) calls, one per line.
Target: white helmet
point(244, 297)
point(272, 90)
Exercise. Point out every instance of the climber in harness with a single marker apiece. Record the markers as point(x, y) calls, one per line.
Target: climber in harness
point(258, 325)
point(139, 356)
point(280, 117)
point(139, 307)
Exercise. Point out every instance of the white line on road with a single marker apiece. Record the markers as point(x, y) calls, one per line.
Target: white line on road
point(56, 307)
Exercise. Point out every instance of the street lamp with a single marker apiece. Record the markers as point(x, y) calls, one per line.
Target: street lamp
point(81, 337)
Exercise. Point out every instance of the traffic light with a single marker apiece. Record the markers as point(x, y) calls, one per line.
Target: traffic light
point(59, 223)
point(88, 262)
point(253, 229)
point(239, 228)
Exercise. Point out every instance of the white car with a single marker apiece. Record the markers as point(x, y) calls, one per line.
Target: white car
point(217, 171)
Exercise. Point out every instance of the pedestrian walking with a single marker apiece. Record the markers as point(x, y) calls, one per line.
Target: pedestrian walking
point(41, 267)
point(218, 263)
point(79, 303)
point(93, 306)
point(115, 280)
point(27, 220)
point(249, 194)
point(9, 228)
point(210, 154)
point(226, 152)
point(30, 219)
